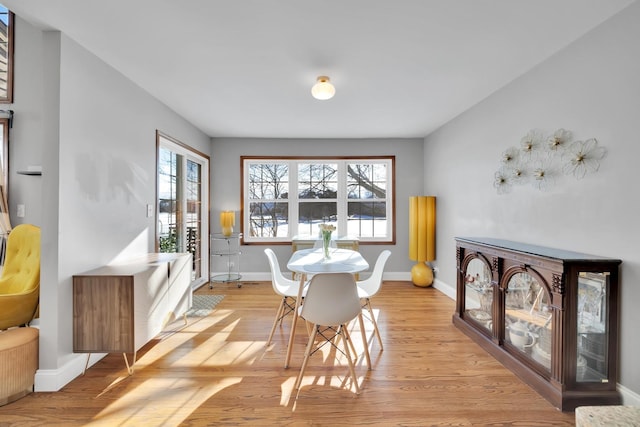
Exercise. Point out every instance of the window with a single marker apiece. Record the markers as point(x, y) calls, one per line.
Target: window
point(182, 204)
point(284, 197)
point(6, 55)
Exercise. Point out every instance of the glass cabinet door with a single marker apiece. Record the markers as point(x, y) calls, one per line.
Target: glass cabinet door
point(478, 293)
point(528, 325)
point(593, 335)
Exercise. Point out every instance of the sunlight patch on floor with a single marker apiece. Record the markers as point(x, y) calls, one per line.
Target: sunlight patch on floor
point(140, 406)
point(179, 334)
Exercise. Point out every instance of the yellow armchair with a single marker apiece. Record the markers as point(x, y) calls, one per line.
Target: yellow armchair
point(20, 280)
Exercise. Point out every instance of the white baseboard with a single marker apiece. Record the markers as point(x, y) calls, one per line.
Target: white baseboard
point(55, 379)
point(629, 397)
point(445, 288)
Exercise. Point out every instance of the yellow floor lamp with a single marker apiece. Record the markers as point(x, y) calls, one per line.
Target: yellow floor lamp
point(422, 238)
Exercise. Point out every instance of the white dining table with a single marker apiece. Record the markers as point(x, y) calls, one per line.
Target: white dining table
point(312, 261)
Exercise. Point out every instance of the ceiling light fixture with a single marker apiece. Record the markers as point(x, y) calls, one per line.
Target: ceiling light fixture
point(323, 89)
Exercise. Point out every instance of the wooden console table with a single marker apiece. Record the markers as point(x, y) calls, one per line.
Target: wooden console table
point(119, 308)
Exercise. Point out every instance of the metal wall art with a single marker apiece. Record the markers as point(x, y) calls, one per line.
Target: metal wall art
point(541, 159)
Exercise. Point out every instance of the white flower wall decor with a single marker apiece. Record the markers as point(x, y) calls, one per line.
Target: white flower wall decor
point(582, 157)
point(540, 160)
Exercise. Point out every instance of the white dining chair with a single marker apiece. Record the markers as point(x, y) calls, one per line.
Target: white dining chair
point(286, 288)
point(369, 287)
point(330, 304)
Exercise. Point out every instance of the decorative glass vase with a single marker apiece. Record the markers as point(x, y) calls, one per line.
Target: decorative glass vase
point(326, 243)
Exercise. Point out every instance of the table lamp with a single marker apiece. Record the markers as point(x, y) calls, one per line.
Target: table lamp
point(422, 242)
point(227, 221)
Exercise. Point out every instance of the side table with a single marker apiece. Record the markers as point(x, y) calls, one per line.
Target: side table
point(227, 248)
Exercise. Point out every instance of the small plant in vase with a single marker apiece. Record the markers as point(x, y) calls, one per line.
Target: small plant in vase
point(325, 232)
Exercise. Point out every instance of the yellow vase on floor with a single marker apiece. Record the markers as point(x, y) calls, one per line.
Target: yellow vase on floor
point(422, 231)
point(422, 275)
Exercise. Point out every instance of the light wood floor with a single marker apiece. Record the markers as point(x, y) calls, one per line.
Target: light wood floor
point(217, 371)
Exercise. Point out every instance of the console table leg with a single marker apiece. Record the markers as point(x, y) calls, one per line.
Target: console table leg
point(86, 364)
point(133, 361)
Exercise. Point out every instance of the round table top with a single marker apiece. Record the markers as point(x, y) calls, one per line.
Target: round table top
point(340, 261)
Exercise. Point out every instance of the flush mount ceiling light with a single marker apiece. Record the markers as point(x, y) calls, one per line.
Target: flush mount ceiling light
point(323, 89)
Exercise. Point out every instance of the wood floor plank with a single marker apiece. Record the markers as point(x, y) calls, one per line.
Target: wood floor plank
point(218, 371)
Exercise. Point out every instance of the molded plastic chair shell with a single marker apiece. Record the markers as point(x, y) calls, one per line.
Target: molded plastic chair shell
point(286, 288)
point(20, 280)
point(371, 286)
point(331, 301)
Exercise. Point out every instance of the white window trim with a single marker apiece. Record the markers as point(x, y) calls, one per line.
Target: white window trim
point(342, 201)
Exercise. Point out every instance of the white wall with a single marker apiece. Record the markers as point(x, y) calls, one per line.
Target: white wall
point(26, 135)
point(593, 89)
point(225, 187)
point(94, 131)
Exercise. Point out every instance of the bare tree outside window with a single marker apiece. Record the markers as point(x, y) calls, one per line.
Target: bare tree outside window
point(268, 192)
point(318, 195)
point(366, 193)
point(286, 197)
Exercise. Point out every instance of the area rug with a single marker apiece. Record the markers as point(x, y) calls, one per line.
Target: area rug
point(203, 305)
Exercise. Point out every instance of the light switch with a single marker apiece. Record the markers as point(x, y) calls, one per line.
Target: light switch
point(149, 211)
point(20, 212)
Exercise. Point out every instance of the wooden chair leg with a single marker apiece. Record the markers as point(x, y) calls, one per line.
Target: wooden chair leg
point(346, 335)
point(375, 324)
point(364, 341)
point(275, 321)
point(352, 368)
point(307, 353)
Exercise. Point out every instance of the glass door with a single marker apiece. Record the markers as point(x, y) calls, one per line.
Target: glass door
point(182, 204)
point(528, 325)
point(593, 335)
point(479, 294)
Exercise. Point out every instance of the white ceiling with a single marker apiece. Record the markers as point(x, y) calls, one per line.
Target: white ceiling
point(244, 68)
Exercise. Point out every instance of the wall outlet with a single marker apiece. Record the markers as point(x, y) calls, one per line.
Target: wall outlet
point(20, 213)
point(149, 210)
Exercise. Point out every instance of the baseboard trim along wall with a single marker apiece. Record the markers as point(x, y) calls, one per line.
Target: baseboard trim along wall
point(54, 379)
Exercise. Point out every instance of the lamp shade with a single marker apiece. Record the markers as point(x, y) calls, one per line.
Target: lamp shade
point(422, 237)
point(323, 89)
point(227, 221)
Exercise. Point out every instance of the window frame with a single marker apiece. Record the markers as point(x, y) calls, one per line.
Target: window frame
point(4, 155)
point(293, 201)
point(8, 99)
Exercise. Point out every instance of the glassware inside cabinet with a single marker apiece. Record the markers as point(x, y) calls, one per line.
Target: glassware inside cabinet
point(591, 364)
point(528, 325)
point(479, 293)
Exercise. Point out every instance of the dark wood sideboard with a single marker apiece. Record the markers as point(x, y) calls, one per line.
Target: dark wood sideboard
point(548, 315)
